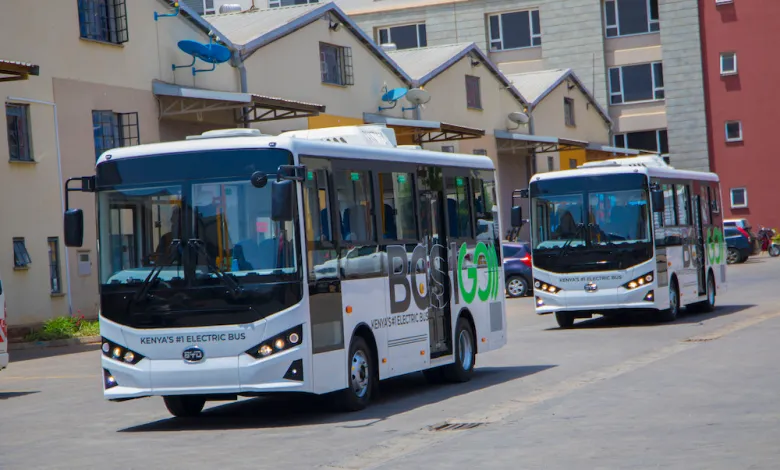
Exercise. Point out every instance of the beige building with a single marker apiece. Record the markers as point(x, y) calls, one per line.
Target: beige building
point(640, 59)
point(104, 82)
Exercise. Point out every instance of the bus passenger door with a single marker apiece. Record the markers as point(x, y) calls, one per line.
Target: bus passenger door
point(434, 238)
point(699, 259)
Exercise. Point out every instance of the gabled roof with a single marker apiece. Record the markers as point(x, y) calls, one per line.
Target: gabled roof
point(252, 29)
point(426, 63)
point(193, 17)
point(537, 85)
point(359, 7)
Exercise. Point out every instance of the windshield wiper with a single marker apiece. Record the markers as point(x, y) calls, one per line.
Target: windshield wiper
point(577, 233)
point(147, 284)
point(200, 246)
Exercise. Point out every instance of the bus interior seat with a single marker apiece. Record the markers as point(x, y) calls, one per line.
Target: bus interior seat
point(390, 230)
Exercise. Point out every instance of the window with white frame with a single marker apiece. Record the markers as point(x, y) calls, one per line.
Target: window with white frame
point(656, 141)
point(410, 36)
point(514, 30)
point(208, 7)
point(733, 131)
point(336, 65)
point(630, 17)
point(636, 83)
point(728, 63)
point(288, 3)
point(739, 198)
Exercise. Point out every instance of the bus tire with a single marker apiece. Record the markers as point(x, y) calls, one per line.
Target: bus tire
point(184, 406)
point(360, 376)
point(564, 319)
point(709, 304)
point(670, 314)
point(465, 354)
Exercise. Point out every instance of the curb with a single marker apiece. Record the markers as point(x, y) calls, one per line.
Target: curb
point(57, 343)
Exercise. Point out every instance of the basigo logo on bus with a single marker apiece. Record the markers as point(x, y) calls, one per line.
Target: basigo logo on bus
point(403, 273)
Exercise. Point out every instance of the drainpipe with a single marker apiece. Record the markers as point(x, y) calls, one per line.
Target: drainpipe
point(531, 132)
point(59, 171)
point(242, 80)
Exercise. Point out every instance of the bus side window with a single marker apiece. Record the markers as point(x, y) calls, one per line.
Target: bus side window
point(397, 219)
point(458, 207)
point(683, 204)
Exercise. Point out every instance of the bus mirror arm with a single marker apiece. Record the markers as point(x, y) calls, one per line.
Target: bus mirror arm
point(291, 173)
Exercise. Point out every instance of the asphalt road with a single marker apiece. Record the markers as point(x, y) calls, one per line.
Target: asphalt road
point(699, 393)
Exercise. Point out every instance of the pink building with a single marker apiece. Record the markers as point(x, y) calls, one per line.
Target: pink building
point(740, 67)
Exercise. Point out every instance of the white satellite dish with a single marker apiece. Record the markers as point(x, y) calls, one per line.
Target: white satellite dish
point(518, 118)
point(418, 96)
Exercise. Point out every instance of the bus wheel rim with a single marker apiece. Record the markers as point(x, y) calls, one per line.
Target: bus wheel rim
point(359, 376)
point(711, 291)
point(465, 347)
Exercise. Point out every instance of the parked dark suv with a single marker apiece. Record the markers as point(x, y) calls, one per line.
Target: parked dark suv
point(517, 268)
point(744, 227)
point(739, 247)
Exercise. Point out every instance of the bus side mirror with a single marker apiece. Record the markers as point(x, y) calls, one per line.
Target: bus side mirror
point(282, 200)
point(657, 199)
point(74, 228)
point(517, 217)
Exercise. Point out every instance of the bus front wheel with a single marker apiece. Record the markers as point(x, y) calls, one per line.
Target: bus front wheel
point(671, 313)
point(360, 376)
point(184, 406)
point(565, 320)
point(465, 354)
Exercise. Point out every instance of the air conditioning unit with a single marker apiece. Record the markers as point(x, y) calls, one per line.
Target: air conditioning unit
point(229, 8)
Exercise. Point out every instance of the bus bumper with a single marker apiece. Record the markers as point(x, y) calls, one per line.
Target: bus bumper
point(613, 299)
point(236, 375)
point(3, 360)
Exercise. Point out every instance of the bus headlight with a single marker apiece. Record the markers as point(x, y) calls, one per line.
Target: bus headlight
point(120, 353)
point(642, 280)
point(277, 343)
point(546, 287)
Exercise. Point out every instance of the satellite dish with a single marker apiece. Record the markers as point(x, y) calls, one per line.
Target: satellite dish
point(418, 96)
point(212, 53)
point(394, 95)
point(518, 117)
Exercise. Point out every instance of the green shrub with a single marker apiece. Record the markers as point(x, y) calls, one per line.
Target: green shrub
point(63, 328)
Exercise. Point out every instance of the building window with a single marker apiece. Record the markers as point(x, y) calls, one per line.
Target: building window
point(550, 164)
point(514, 30)
point(54, 265)
point(336, 65)
point(21, 256)
point(651, 141)
point(103, 20)
point(208, 7)
point(734, 131)
point(409, 36)
point(448, 148)
point(112, 130)
point(17, 118)
point(568, 112)
point(636, 83)
point(629, 17)
point(482, 152)
point(288, 3)
point(728, 63)
point(739, 198)
point(572, 163)
point(473, 94)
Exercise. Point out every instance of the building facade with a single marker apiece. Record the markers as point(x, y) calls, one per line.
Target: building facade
point(738, 72)
point(640, 58)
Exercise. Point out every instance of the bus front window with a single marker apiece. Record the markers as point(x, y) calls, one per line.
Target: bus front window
point(619, 217)
point(558, 221)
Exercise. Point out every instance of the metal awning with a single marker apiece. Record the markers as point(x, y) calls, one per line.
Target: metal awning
point(542, 144)
point(613, 150)
point(178, 100)
point(425, 131)
point(11, 70)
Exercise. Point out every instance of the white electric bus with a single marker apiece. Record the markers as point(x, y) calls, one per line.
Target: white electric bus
point(625, 234)
point(236, 264)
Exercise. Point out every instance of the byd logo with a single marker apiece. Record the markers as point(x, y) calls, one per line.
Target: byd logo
point(468, 285)
point(193, 354)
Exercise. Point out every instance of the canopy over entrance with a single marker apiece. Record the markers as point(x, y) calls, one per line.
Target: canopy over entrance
point(11, 70)
point(421, 132)
point(177, 100)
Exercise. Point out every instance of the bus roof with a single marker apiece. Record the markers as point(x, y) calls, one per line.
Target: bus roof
point(303, 143)
point(650, 165)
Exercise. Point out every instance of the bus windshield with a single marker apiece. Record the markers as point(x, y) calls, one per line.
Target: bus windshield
point(591, 222)
point(196, 227)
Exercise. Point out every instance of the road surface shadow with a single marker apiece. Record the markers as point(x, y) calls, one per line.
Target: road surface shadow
point(21, 355)
point(397, 395)
point(641, 319)
point(7, 395)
